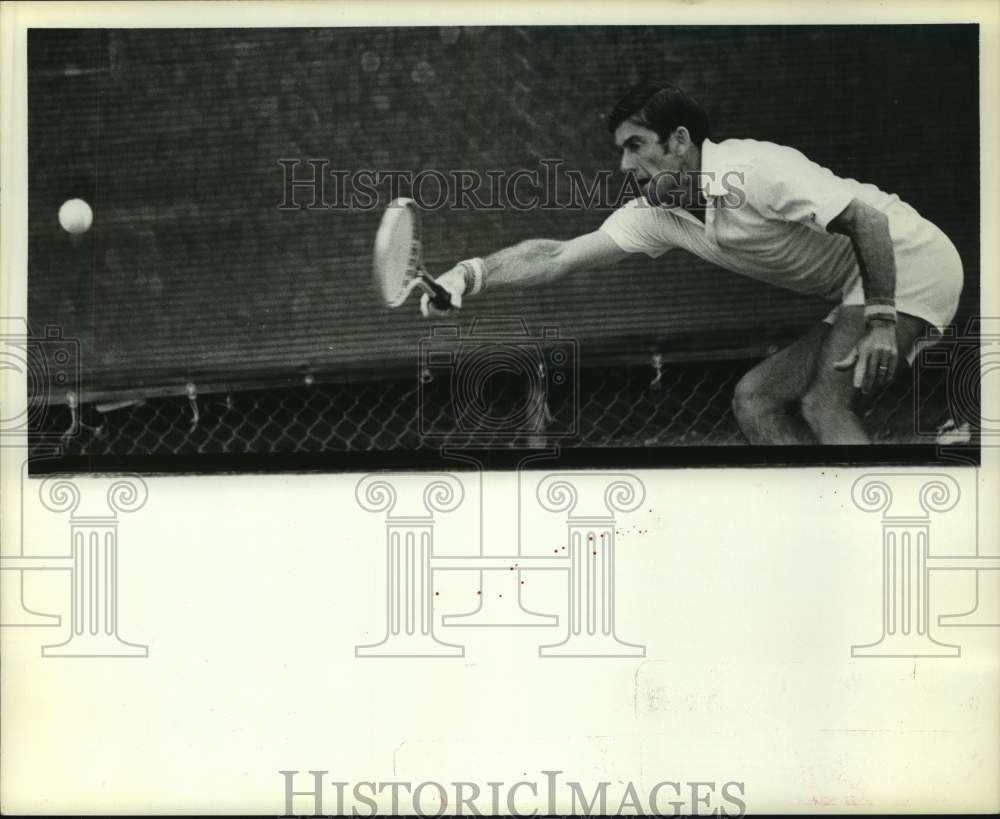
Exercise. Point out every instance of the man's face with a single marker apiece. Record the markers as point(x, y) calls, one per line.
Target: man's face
point(645, 156)
point(642, 152)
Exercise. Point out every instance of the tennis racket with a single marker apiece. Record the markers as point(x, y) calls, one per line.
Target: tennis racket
point(399, 265)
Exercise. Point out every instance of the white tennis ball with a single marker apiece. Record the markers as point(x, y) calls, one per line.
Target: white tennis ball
point(75, 216)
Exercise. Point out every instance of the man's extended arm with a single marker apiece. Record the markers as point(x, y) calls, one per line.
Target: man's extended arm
point(876, 356)
point(535, 261)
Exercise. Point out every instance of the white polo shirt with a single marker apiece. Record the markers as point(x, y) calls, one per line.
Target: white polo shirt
point(776, 231)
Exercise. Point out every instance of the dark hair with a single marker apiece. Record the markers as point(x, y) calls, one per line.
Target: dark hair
point(663, 108)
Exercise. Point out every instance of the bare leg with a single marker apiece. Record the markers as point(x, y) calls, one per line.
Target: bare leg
point(766, 401)
point(826, 405)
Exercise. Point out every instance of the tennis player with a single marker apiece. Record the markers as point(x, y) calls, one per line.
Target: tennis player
point(764, 211)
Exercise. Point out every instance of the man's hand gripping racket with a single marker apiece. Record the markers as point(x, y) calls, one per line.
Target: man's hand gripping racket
point(399, 265)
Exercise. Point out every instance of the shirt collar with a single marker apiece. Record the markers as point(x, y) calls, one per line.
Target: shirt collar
point(713, 166)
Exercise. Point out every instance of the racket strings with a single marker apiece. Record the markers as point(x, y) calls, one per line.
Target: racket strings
point(398, 255)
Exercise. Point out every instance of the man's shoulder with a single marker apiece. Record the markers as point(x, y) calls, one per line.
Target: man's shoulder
point(759, 166)
point(753, 152)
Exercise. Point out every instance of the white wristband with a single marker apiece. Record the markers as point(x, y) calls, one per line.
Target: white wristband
point(475, 275)
point(882, 312)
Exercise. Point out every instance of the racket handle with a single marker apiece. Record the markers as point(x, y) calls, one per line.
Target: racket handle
point(439, 297)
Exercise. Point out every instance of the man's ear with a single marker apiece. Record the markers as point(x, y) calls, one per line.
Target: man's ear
point(679, 141)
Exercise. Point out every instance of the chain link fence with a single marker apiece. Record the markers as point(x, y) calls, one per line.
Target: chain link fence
point(647, 405)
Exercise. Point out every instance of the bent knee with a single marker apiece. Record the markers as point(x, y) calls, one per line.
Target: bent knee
point(751, 399)
point(745, 396)
point(818, 405)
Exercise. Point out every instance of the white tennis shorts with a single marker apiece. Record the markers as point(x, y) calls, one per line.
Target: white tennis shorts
point(928, 283)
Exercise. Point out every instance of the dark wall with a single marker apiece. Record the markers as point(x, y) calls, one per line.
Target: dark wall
point(192, 272)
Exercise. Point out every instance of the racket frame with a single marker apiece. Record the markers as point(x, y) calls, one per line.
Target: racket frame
point(415, 270)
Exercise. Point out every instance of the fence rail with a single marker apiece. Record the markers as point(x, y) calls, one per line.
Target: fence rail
point(625, 406)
